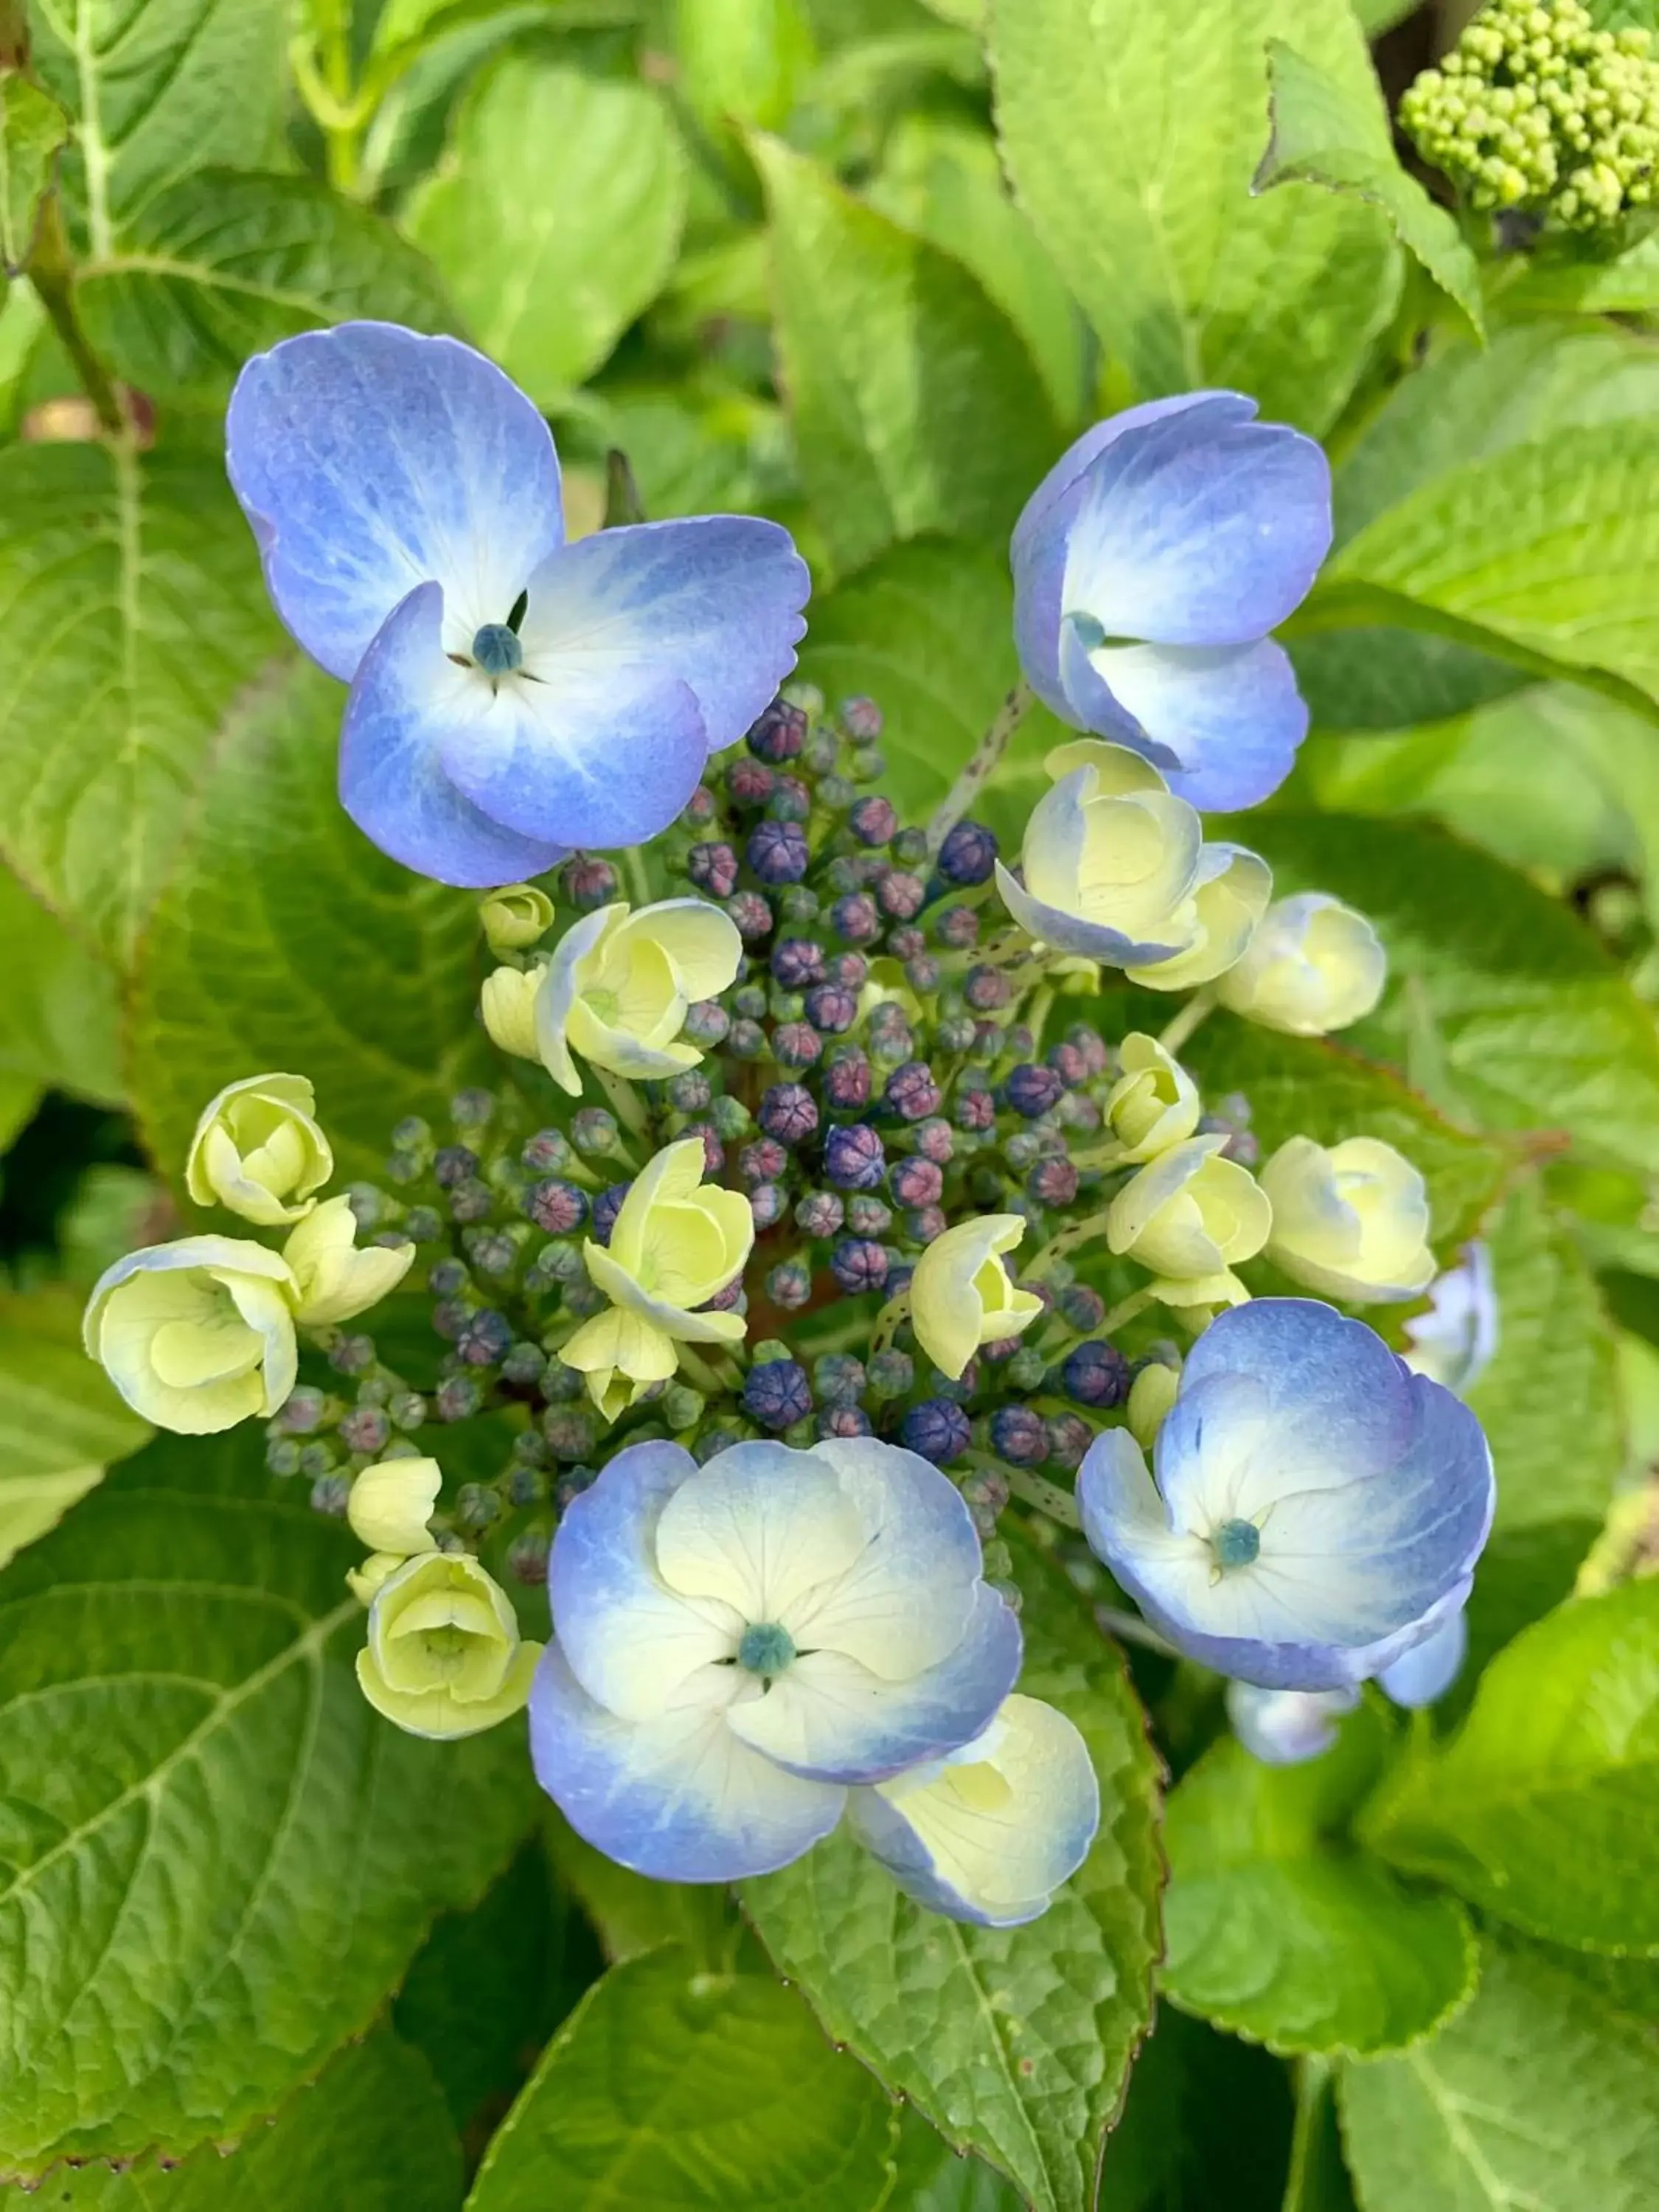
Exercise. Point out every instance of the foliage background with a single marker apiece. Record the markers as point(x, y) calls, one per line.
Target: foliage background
point(773, 251)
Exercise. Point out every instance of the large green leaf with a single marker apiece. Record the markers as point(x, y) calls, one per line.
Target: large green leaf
point(59, 1020)
point(286, 941)
point(160, 89)
point(221, 264)
point(554, 216)
point(131, 592)
point(61, 1423)
point(1014, 2042)
point(915, 405)
point(631, 1914)
point(1542, 1810)
point(1195, 2095)
point(217, 1859)
point(679, 2089)
point(32, 130)
point(1277, 1928)
point(1328, 133)
point(1529, 1023)
point(1132, 134)
point(371, 2136)
point(1538, 2099)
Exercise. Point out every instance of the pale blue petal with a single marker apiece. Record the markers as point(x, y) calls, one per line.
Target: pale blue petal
point(680, 1798)
point(1220, 409)
point(407, 697)
point(1071, 933)
point(1428, 1670)
point(1196, 531)
point(1223, 723)
point(1287, 1728)
point(714, 600)
point(369, 461)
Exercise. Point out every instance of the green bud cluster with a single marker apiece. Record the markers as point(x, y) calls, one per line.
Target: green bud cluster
point(1537, 111)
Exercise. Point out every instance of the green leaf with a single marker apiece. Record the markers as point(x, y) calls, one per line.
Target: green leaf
point(554, 217)
point(1319, 2181)
point(981, 2028)
point(221, 265)
point(1376, 16)
point(214, 1859)
point(61, 1423)
point(915, 407)
point(943, 182)
point(287, 940)
point(675, 2088)
point(1195, 2098)
point(742, 61)
point(1327, 133)
point(59, 1020)
point(632, 1915)
point(158, 91)
point(34, 129)
point(1534, 1026)
point(1575, 284)
point(1132, 132)
point(1546, 555)
point(1277, 1928)
point(1542, 1809)
point(131, 590)
point(1538, 2097)
point(372, 2135)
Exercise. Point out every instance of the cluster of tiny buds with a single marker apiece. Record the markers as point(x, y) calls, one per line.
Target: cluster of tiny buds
point(875, 1073)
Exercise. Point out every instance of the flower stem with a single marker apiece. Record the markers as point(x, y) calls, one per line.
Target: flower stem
point(1125, 1311)
point(888, 1322)
point(982, 764)
point(1129, 1628)
point(1036, 1490)
point(625, 1102)
point(639, 880)
point(52, 275)
point(1198, 1008)
point(702, 1375)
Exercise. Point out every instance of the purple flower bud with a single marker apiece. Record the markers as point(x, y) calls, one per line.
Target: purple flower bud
point(549, 1151)
point(831, 1010)
point(968, 854)
point(714, 1152)
point(1081, 1308)
point(956, 928)
point(588, 883)
point(366, 1429)
point(447, 1278)
point(568, 1431)
point(916, 1182)
point(691, 1093)
point(912, 1092)
point(849, 971)
point(453, 1163)
point(844, 1421)
point(934, 1140)
point(1031, 1090)
point(922, 1225)
point(777, 1394)
point(796, 1044)
point(706, 1023)
point(791, 800)
point(746, 1041)
point(763, 1161)
point(1068, 1064)
point(751, 915)
point(1069, 1439)
point(789, 1113)
point(780, 733)
point(1019, 1436)
point(732, 1299)
point(594, 1131)
point(856, 919)
point(976, 1108)
point(922, 973)
point(891, 1375)
point(748, 1002)
point(847, 1080)
point(900, 894)
point(853, 1157)
point(873, 821)
point(699, 810)
point(789, 1285)
point(776, 850)
point(768, 1204)
point(1095, 1374)
point(838, 1378)
point(1092, 1046)
point(606, 1206)
point(483, 1337)
point(1052, 1182)
point(867, 1216)
point(471, 1200)
point(750, 781)
point(987, 989)
point(820, 1213)
point(713, 868)
point(861, 720)
point(937, 1430)
point(557, 1208)
point(797, 962)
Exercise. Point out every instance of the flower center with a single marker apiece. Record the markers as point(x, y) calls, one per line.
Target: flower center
point(766, 1648)
point(1235, 1543)
point(496, 649)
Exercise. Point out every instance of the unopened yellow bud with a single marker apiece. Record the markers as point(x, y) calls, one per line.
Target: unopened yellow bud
point(1151, 1394)
point(619, 984)
point(1313, 965)
point(444, 1656)
point(961, 1296)
point(1352, 1221)
point(1154, 1103)
point(508, 1005)
point(515, 917)
point(1189, 1216)
point(391, 1504)
point(334, 1280)
point(258, 1150)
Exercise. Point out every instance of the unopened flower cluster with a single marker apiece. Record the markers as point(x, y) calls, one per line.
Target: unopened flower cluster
point(815, 1227)
point(1535, 109)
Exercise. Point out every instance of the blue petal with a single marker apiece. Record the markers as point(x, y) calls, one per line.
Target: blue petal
point(1285, 1727)
point(680, 1798)
point(1223, 723)
point(1042, 533)
point(1195, 531)
point(406, 697)
point(714, 600)
point(1428, 1670)
point(369, 461)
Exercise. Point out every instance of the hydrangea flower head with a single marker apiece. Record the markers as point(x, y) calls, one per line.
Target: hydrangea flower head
point(1318, 1509)
point(512, 696)
point(1151, 563)
point(736, 1645)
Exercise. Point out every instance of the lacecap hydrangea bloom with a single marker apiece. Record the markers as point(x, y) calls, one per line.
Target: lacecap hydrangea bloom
point(736, 1645)
point(513, 695)
point(1318, 1509)
point(1150, 565)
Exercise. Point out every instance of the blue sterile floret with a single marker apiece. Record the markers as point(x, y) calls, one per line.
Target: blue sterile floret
point(1536, 110)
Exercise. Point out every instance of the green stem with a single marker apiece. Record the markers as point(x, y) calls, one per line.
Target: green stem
point(625, 1102)
point(1130, 1628)
point(52, 275)
point(638, 876)
point(704, 1376)
point(980, 766)
point(1198, 1008)
point(1036, 1490)
point(888, 1322)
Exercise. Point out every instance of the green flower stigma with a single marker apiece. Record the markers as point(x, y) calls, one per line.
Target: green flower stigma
point(496, 649)
point(1235, 1543)
point(766, 1648)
